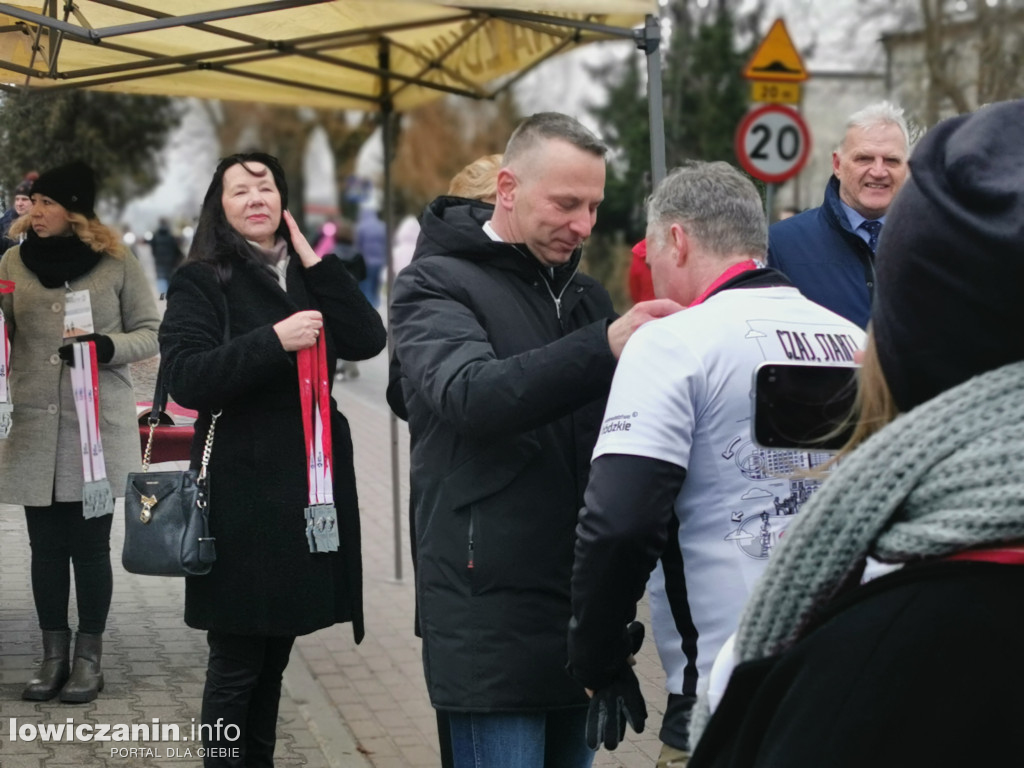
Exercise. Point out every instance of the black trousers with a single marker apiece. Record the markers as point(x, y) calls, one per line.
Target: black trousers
point(241, 699)
point(61, 538)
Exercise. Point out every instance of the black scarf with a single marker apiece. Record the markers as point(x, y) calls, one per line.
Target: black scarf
point(56, 260)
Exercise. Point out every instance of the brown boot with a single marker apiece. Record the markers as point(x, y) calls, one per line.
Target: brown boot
point(86, 676)
point(53, 672)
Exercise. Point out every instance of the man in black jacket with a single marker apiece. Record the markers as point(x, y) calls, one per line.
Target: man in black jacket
point(505, 353)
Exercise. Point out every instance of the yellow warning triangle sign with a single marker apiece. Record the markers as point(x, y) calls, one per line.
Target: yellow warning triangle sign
point(776, 58)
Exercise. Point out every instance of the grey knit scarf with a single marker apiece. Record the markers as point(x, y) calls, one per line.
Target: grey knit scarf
point(942, 478)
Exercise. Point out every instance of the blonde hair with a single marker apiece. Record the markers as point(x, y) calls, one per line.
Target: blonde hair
point(874, 406)
point(95, 234)
point(478, 180)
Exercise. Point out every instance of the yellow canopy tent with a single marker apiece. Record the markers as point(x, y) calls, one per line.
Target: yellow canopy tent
point(323, 53)
point(374, 55)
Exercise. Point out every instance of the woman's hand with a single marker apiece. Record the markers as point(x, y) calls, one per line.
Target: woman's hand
point(301, 330)
point(300, 243)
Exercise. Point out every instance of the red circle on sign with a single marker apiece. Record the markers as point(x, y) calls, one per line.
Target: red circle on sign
point(775, 113)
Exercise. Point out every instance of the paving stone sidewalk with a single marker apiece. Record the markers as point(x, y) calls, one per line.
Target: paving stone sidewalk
point(343, 706)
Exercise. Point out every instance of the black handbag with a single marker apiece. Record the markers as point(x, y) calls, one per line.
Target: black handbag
point(166, 517)
point(167, 514)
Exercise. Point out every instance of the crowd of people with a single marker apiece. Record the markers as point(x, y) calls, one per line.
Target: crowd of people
point(564, 458)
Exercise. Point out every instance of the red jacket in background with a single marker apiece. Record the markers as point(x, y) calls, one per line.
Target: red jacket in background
point(640, 286)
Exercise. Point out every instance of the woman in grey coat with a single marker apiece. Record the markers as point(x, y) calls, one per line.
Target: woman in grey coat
point(69, 259)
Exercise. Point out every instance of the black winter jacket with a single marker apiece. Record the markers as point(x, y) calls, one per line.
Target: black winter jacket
point(505, 378)
point(266, 581)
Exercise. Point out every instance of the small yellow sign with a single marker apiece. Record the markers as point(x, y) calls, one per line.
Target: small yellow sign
point(776, 58)
point(769, 92)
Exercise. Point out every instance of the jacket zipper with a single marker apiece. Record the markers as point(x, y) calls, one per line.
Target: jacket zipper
point(469, 561)
point(558, 299)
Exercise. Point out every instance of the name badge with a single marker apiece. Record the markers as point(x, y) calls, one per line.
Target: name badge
point(77, 314)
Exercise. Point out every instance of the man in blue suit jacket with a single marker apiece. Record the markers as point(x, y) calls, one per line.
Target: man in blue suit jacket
point(829, 252)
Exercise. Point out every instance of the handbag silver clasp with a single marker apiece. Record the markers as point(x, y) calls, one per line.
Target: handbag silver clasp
point(148, 502)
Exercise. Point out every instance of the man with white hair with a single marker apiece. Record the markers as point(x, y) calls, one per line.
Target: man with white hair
point(829, 252)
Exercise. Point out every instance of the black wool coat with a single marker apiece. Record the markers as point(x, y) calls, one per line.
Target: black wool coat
point(265, 580)
point(504, 389)
point(921, 667)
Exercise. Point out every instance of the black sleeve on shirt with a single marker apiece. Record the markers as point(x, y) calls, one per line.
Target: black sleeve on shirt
point(622, 530)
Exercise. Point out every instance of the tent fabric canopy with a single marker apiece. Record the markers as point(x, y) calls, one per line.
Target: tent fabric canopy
point(341, 54)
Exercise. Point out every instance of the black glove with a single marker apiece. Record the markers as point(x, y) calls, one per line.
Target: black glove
point(618, 703)
point(104, 348)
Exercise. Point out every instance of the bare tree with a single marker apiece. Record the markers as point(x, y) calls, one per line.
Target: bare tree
point(952, 56)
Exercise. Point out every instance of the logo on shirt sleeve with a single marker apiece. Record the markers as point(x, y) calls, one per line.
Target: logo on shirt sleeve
point(620, 423)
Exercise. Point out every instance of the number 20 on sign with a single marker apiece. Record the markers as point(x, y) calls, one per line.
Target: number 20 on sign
point(772, 143)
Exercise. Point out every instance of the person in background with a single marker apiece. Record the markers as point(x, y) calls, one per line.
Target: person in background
point(252, 277)
point(676, 485)
point(166, 254)
point(372, 242)
point(69, 259)
point(22, 204)
point(478, 180)
point(325, 241)
point(829, 252)
point(353, 261)
point(503, 355)
point(641, 287)
point(921, 666)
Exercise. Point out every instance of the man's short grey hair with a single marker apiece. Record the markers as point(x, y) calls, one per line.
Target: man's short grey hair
point(874, 115)
point(714, 203)
point(551, 125)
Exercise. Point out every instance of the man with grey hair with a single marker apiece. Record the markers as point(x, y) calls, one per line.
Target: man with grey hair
point(503, 355)
point(829, 252)
point(676, 484)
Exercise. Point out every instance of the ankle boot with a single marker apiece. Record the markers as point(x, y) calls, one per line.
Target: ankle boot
point(86, 676)
point(53, 672)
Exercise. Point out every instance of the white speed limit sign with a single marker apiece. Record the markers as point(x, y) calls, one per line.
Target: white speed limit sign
point(772, 143)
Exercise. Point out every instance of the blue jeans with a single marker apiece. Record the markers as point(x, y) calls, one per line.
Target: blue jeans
point(553, 739)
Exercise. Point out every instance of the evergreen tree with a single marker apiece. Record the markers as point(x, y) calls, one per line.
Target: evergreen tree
point(119, 135)
point(704, 99)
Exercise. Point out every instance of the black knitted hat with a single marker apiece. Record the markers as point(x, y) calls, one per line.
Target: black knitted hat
point(950, 262)
point(72, 185)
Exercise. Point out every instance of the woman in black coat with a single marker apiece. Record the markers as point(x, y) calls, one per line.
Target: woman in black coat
point(250, 296)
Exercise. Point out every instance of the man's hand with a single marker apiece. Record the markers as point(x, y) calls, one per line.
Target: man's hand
point(620, 331)
point(619, 702)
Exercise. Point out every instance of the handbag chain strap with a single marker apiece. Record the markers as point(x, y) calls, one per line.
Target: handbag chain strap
point(208, 447)
point(160, 402)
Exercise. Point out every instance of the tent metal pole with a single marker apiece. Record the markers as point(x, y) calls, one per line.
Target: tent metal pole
point(387, 136)
point(648, 39)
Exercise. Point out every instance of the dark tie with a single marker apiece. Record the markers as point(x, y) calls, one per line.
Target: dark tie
point(872, 228)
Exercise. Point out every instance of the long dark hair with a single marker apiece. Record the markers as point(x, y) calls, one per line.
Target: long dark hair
point(216, 242)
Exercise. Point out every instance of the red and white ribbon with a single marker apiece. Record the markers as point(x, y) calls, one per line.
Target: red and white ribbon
point(315, 391)
point(85, 383)
point(315, 394)
point(6, 406)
